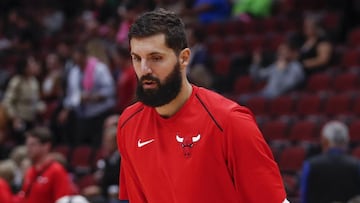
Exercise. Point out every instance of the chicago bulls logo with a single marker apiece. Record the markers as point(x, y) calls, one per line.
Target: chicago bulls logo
point(187, 143)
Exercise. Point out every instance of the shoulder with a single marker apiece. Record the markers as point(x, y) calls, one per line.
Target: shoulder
point(129, 113)
point(56, 168)
point(221, 108)
point(15, 80)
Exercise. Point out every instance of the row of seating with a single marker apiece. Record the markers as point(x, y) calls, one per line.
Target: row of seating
point(306, 131)
point(81, 159)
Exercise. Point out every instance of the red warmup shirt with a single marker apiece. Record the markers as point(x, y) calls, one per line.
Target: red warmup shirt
point(6, 195)
point(210, 151)
point(46, 185)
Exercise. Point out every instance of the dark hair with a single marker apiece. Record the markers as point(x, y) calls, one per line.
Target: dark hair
point(43, 134)
point(21, 65)
point(164, 22)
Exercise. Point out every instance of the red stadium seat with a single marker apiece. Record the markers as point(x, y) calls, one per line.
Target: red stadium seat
point(258, 105)
point(85, 181)
point(319, 82)
point(337, 105)
point(81, 159)
point(283, 105)
point(243, 85)
point(354, 131)
point(222, 65)
point(355, 109)
point(308, 105)
point(291, 159)
point(216, 46)
point(62, 149)
point(350, 58)
point(346, 82)
point(354, 37)
point(275, 130)
point(236, 45)
point(303, 131)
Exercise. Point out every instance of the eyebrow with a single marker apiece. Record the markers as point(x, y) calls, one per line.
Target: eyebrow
point(150, 54)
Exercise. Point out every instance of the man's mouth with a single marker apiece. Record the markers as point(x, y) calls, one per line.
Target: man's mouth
point(149, 84)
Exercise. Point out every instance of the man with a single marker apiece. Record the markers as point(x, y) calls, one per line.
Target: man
point(182, 143)
point(46, 180)
point(332, 176)
point(110, 175)
point(283, 75)
point(91, 94)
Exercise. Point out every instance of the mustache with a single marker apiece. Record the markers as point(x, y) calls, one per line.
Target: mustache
point(149, 77)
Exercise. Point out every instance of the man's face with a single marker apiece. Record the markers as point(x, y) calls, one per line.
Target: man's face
point(158, 70)
point(35, 149)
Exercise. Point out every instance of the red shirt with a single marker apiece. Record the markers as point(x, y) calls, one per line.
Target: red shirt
point(6, 195)
point(210, 151)
point(46, 185)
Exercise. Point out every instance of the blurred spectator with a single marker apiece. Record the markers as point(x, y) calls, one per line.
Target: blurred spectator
point(282, 76)
point(58, 157)
point(254, 8)
point(22, 97)
point(52, 18)
point(111, 121)
point(46, 180)
point(103, 10)
point(200, 64)
point(51, 85)
point(22, 30)
point(7, 168)
point(72, 199)
point(90, 93)
point(209, 11)
point(316, 50)
point(126, 79)
point(333, 175)
point(19, 157)
point(109, 167)
point(128, 13)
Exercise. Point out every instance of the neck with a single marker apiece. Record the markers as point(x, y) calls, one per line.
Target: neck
point(39, 163)
point(171, 108)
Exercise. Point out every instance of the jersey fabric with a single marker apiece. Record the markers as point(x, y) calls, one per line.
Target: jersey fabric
point(5, 192)
point(210, 151)
point(46, 185)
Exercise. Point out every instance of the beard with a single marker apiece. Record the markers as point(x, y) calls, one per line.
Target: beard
point(164, 93)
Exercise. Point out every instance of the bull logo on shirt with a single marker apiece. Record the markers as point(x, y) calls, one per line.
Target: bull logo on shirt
point(187, 143)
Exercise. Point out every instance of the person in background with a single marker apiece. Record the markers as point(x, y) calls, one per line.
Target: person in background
point(22, 97)
point(52, 89)
point(200, 64)
point(109, 181)
point(282, 76)
point(46, 180)
point(19, 156)
point(90, 94)
point(254, 8)
point(209, 11)
point(316, 50)
point(7, 168)
point(324, 174)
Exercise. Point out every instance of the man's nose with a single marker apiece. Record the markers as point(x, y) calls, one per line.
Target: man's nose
point(145, 68)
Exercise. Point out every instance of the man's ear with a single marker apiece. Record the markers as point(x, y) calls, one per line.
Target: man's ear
point(184, 57)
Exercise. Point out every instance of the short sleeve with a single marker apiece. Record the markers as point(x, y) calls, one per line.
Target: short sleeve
point(255, 174)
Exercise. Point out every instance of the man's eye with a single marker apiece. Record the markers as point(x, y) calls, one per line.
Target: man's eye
point(135, 58)
point(156, 58)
